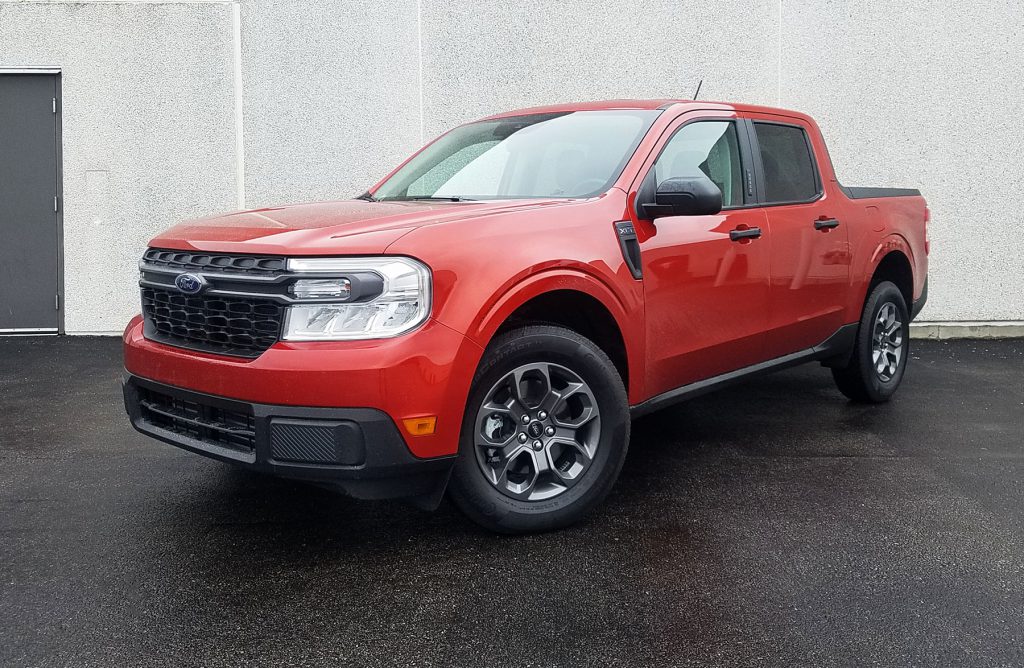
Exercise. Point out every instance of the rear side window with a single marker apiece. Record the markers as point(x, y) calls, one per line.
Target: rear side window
point(789, 172)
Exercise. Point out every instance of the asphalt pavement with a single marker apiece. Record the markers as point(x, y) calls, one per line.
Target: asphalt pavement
point(772, 523)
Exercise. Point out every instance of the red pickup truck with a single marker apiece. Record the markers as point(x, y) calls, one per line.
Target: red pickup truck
point(488, 318)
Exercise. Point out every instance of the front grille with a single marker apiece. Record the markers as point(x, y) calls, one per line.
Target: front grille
point(240, 326)
point(228, 264)
point(235, 430)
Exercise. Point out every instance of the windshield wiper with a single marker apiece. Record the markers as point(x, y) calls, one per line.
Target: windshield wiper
point(367, 197)
point(452, 198)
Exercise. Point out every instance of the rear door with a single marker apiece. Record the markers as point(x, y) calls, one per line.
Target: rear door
point(704, 290)
point(809, 240)
point(29, 231)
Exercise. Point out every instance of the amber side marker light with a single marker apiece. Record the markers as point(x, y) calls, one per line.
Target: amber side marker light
point(420, 426)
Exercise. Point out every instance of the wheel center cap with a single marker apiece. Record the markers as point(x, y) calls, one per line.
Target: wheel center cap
point(535, 429)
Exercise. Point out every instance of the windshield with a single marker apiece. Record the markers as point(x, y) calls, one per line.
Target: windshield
point(571, 154)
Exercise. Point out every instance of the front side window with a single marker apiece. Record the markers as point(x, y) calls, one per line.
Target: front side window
point(571, 155)
point(789, 172)
point(708, 147)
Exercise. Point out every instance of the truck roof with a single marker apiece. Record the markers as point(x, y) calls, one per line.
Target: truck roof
point(645, 104)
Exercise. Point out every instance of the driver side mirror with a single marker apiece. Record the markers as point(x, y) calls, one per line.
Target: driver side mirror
point(685, 196)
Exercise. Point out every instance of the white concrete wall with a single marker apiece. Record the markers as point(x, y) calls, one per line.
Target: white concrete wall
point(926, 94)
point(484, 57)
point(147, 131)
point(920, 94)
point(331, 96)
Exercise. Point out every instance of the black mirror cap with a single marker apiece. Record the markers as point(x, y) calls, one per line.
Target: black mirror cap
point(685, 196)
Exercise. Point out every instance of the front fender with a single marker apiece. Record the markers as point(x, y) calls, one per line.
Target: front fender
point(520, 290)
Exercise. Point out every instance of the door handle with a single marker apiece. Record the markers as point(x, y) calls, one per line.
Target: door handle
point(826, 224)
point(749, 233)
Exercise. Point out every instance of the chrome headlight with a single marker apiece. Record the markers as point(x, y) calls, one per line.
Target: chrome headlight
point(369, 298)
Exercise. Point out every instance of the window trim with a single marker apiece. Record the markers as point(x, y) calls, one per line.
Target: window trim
point(762, 197)
point(747, 163)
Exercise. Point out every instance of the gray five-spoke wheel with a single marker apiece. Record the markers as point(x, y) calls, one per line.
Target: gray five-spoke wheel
point(887, 342)
point(537, 431)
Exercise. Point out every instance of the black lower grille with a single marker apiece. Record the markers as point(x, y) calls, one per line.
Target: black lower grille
point(235, 430)
point(317, 442)
point(241, 326)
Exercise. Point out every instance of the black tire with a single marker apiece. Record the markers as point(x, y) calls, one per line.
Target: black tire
point(860, 380)
point(478, 496)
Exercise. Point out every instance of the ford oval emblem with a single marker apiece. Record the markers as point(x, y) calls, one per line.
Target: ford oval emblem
point(190, 284)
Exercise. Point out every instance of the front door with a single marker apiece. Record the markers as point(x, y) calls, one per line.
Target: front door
point(705, 289)
point(810, 255)
point(29, 225)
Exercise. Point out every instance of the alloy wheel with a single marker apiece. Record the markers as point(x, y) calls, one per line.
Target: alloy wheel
point(887, 342)
point(537, 431)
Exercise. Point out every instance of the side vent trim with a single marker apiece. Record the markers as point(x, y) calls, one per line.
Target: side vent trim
point(630, 246)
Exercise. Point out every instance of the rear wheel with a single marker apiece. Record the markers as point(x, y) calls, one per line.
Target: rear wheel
point(882, 348)
point(545, 432)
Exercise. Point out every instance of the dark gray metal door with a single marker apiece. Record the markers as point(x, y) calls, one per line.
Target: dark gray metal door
point(29, 189)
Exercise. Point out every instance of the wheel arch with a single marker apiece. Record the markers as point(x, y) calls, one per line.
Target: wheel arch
point(894, 265)
point(887, 258)
point(576, 301)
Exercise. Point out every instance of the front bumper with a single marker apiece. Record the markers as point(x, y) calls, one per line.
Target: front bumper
point(357, 450)
point(424, 373)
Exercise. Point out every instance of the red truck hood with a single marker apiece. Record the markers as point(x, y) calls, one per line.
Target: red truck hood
point(349, 226)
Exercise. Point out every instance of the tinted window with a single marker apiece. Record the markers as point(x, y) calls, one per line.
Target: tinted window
point(576, 154)
point(710, 147)
point(788, 166)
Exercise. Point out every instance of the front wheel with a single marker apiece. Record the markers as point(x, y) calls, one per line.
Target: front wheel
point(545, 432)
point(881, 350)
